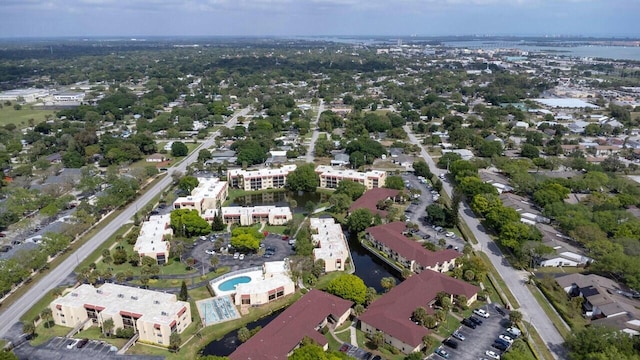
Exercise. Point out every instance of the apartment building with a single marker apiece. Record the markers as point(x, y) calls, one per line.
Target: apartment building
point(331, 245)
point(209, 194)
point(330, 177)
point(262, 179)
point(151, 240)
point(153, 315)
point(247, 216)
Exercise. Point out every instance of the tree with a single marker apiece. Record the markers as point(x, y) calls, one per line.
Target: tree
point(187, 222)
point(188, 183)
point(246, 239)
point(107, 327)
point(420, 168)
point(179, 149)
point(339, 202)
point(529, 151)
point(358, 310)
point(427, 341)
point(46, 315)
point(387, 283)
point(600, 342)
point(214, 261)
point(244, 334)
point(515, 316)
point(370, 295)
point(377, 339)
point(349, 287)
point(359, 220)
point(175, 341)
point(218, 223)
point(28, 328)
point(204, 155)
point(489, 148)
point(430, 322)
point(394, 182)
point(303, 178)
point(420, 315)
point(312, 351)
point(350, 188)
point(184, 294)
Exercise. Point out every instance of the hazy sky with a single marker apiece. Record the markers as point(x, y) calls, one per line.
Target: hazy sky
point(317, 17)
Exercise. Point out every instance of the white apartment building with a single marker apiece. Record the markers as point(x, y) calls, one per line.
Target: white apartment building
point(70, 97)
point(246, 216)
point(151, 240)
point(209, 194)
point(262, 179)
point(29, 95)
point(330, 177)
point(331, 245)
point(153, 315)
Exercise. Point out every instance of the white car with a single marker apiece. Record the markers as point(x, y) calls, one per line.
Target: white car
point(449, 234)
point(72, 344)
point(505, 338)
point(241, 257)
point(492, 354)
point(236, 256)
point(481, 312)
point(210, 252)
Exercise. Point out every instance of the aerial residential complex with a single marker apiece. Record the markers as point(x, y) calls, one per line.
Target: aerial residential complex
point(390, 239)
point(391, 314)
point(151, 241)
point(262, 179)
point(305, 318)
point(209, 194)
point(331, 245)
point(330, 177)
point(154, 315)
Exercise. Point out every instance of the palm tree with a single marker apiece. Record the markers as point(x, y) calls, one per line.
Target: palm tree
point(46, 314)
point(107, 327)
point(214, 261)
point(388, 283)
point(28, 329)
point(515, 316)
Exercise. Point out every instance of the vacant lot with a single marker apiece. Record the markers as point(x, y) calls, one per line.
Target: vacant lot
point(8, 115)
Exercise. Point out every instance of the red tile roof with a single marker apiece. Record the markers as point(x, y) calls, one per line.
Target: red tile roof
point(369, 200)
point(284, 333)
point(391, 236)
point(392, 312)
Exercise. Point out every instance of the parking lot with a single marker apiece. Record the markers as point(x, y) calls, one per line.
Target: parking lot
point(416, 211)
point(56, 348)
point(203, 251)
point(479, 340)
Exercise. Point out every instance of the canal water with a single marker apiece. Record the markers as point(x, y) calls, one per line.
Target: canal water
point(368, 267)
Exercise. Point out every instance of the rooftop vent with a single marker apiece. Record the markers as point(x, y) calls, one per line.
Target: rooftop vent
point(134, 297)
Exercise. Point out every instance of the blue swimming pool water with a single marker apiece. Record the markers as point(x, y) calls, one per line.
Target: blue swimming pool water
point(231, 283)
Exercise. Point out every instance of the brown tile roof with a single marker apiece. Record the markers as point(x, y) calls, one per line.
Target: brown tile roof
point(391, 236)
point(285, 332)
point(369, 200)
point(392, 312)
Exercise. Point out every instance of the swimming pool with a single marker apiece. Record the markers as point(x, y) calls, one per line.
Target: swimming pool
point(230, 285)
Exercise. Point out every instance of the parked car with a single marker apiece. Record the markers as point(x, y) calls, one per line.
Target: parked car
point(241, 257)
point(426, 237)
point(236, 256)
point(506, 338)
point(515, 332)
point(449, 234)
point(499, 310)
point(442, 353)
point(72, 344)
point(82, 343)
point(500, 345)
point(481, 312)
point(458, 335)
point(492, 354)
point(210, 252)
point(469, 323)
point(451, 343)
point(475, 320)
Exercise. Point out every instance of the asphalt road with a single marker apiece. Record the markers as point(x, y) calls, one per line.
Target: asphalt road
point(12, 314)
point(312, 144)
point(515, 279)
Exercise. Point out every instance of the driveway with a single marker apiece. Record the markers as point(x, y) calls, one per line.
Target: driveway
point(515, 279)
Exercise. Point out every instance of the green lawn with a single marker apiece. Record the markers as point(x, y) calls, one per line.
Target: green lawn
point(448, 327)
point(501, 285)
point(8, 115)
point(45, 334)
point(345, 337)
point(275, 229)
point(94, 333)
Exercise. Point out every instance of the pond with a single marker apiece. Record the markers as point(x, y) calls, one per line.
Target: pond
point(229, 343)
point(281, 198)
point(368, 267)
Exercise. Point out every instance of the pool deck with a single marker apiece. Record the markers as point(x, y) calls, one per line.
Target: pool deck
point(254, 273)
point(221, 309)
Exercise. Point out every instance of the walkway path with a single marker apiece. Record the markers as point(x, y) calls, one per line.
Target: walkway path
point(515, 279)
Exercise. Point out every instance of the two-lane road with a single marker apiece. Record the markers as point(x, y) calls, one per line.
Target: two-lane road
point(12, 314)
point(515, 279)
point(310, 156)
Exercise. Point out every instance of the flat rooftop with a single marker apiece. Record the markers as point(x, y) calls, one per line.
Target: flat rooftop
point(566, 103)
point(284, 170)
point(151, 306)
point(330, 239)
point(325, 170)
point(151, 237)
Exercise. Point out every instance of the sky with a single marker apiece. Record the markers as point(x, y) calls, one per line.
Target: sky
point(139, 18)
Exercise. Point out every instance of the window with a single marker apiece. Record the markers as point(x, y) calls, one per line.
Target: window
point(246, 301)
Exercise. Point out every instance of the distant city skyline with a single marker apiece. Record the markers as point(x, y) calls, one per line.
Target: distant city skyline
point(87, 18)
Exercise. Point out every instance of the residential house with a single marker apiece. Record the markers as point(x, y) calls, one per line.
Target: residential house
point(153, 315)
point(390, 239)
point(156, 158)
point(392, 312)
point(340, 159)
point(305, 318)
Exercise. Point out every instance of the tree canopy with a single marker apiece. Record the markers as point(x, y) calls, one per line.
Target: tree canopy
point(303, 178)
point(246, 239)
point(349, 287)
